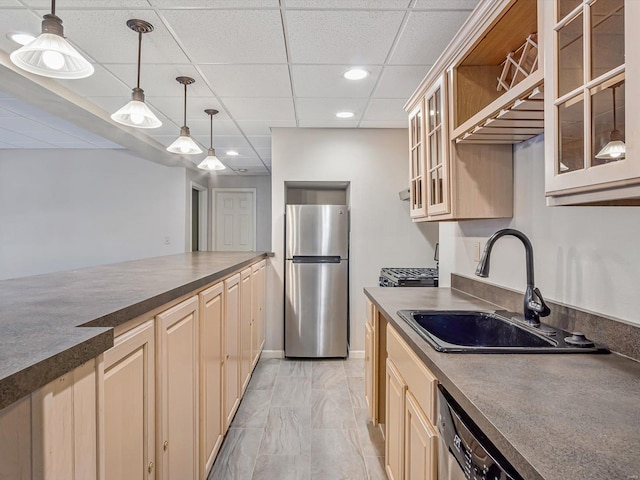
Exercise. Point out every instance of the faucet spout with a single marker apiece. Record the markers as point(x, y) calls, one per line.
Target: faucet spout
point(534, 305)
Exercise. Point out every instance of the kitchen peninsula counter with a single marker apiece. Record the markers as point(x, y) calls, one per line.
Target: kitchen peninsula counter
point(52, 323)
point(553, 416)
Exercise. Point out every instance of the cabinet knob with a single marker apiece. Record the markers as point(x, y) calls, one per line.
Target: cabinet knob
point(150, 468)
point(227, 357)
point(165, 445)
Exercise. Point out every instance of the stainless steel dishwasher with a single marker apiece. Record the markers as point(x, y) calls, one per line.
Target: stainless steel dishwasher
point(464, 452)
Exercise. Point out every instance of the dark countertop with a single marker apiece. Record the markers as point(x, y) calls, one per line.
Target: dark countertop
point(40, 315)
point(554, 417)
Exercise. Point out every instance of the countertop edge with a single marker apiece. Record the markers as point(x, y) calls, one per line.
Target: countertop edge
point(418, 346)
point(29, 379)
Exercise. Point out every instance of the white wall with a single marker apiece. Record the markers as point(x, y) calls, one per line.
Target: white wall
point(262, 184)
point(65, 209)
point(382, 235)
point(588, 257)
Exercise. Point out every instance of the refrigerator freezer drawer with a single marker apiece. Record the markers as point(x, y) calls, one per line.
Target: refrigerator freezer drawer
point(317, 230)
point(316, 309)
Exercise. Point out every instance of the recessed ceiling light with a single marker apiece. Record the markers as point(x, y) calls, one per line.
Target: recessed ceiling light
point(356, 74)
point(232, 153)
point(344, 114)
point(242, 170)
point(21, 38)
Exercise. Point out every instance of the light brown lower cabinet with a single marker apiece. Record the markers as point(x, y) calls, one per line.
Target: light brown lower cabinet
point(258, 296)
point(411, 439)
point(246, 325)
point(211, 362)
point(129, 405)
point(177, 420)
point(369, 371)
point(156, 406)
point(231, 365)
point(420, 443)
point(394, 428)
point(53, 433)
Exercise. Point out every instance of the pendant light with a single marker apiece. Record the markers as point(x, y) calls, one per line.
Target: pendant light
point(211, 162)
point(185, 144)
point(136, 113)
point(615, 149)
point(50, 54)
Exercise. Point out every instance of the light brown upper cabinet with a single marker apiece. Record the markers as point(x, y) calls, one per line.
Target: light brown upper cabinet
point(483, 95)
point(591, 149)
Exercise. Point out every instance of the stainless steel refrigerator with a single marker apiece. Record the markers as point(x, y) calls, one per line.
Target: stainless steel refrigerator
point(316, 281)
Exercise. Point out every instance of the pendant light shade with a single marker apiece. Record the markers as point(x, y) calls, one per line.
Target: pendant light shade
point(615, 149)
point(185, 144)
point(136, 113)
point(50, 54)
point(211, 162)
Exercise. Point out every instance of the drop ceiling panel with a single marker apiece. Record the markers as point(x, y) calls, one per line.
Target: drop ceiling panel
point(267, 110)
point(362, 4)
point(101, 83)
point(425, 36)
point(9, 3)
point(261, 141)
point(160, 80)
point(325, 109)
point(173, 107)
point(216, 3)
point(14, 20)
point(229, 36)
point(104, 35)
point(383, 123)
point(399, 82)
point(446, 5)
point(202, 127)
point(232, 143)
point(387, 109)
point(243, 153)
point(264, 153)
point(67, 4)
point(248, 80)
point(327, 81)
point(263, 128)
point(337, 123)
point(341, 37)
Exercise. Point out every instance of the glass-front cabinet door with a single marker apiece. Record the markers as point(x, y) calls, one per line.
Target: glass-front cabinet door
point(436, 151)
point(590, 67)
point(417, 187)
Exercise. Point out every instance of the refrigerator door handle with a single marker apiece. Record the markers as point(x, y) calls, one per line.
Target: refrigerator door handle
point(313, 259)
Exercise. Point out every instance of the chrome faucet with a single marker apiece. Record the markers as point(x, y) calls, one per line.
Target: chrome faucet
point(534, 306)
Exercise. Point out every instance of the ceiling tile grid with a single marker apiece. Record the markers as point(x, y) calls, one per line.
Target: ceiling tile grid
point(261, 63)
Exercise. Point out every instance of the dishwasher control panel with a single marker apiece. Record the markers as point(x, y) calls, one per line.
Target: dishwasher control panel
point(473, 453)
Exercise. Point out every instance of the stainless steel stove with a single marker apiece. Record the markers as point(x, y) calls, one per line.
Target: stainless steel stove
point(408, 277)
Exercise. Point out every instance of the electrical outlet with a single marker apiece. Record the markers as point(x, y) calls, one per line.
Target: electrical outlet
point(167, 240)
point(476, 251)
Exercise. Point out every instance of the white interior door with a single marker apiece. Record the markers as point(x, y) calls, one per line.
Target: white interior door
point(235, 221)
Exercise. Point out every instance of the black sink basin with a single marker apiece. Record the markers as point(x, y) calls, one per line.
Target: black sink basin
point(487, 332)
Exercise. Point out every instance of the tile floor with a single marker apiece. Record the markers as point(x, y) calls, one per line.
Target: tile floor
point(302, 420)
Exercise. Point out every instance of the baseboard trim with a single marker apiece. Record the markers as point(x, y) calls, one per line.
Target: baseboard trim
point(272, 354)
point(356, 354)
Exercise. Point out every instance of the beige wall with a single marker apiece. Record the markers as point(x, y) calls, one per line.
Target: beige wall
point(588, 257)
point(382, 235)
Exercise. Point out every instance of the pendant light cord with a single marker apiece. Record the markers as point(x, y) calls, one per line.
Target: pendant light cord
point(139, 54)
point(211, 136)
point(613, 91)
point(185, 104)
point(53, 7)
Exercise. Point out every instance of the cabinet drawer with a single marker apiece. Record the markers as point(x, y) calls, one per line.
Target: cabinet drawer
point(420, 381)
